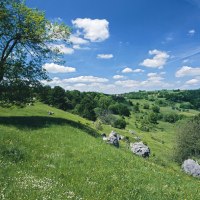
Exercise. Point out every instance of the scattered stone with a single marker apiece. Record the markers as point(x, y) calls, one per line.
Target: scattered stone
point(120, 137)
point(104, 137)
point(113, 139)
point(191, 167)
point(113, 133)
point(140, 149)
point(50, 113)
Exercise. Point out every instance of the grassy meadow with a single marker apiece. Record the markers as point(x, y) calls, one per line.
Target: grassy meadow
point(62, 157)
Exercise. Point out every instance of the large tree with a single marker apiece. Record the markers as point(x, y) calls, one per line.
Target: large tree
point(27, 41)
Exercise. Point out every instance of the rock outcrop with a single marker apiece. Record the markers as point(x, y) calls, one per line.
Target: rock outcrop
point(140, 149)
point(191, 167)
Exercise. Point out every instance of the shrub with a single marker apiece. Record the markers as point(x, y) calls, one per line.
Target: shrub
point(98, 125)
point(153, 117)
point(186, 105)
point(156, 109)
point(171, 117)
point(119, 123)
point(188, 139)
point(146, 106)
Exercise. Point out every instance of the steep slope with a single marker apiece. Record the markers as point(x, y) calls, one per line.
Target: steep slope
point(60, 157)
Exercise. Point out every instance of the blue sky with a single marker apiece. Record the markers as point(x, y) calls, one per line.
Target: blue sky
point(126, 45)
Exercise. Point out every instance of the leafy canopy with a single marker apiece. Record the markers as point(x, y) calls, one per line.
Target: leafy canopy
point(27, 41)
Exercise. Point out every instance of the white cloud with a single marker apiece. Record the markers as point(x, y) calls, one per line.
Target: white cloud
point(151, 74)
point(138, 70)
point(76, 46)
point(153, 77)
point(193, 81)
point(188, 71)
point(87, 83)
point(55, 68)
point(118, 77)
point(86, 79)
point(61, 48)
point(128, 83)
point(95, 30)
point(191, 32)
point(105, 56)
point(129, 70)
point(158, 61)
point(77, 40)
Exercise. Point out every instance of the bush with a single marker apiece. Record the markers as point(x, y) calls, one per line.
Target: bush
point(153, 118)
point(188, 140)
point(156, 109)
point(98, 125)
point(146, 106)
point(171, 117)
point(120, 123)
point(186, 105)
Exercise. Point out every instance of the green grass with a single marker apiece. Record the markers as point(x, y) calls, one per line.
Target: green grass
point(61, 157)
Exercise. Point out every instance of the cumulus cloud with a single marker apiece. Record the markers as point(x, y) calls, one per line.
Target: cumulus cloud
point(61, 48)
point(191, 32)
point(55, 68)
point(188, 71)
point(85, 79)
point(138, 70)
point(158, 61)
point(193, 81)
point(105, 56)
point(77, 40)
point(118, 77)
point(83, 83)
point(128, 83)
point(154, 77)
point(129, 70)
point(95, 30)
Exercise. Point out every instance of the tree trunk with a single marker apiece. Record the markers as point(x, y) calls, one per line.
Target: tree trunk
point(1, 71)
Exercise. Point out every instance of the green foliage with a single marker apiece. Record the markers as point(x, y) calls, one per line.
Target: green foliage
point(136, 107)
point(153, 117)
point(146, 106)
point(186, 105)
point(119, 123)
point(26, 37)
point(58, 98)
point(188, 139)
point(98, 125)
point(155, 109)
point(119, 109)
point(171, 117)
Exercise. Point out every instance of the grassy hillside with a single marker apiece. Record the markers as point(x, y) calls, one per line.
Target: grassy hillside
point(62, 157)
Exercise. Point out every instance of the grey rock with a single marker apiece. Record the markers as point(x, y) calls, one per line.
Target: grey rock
point(140, 149)
point(113, 133)
point(113, 139)
point(191, 167)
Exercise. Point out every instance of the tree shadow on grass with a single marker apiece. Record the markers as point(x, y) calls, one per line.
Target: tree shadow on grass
point(37, 122)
